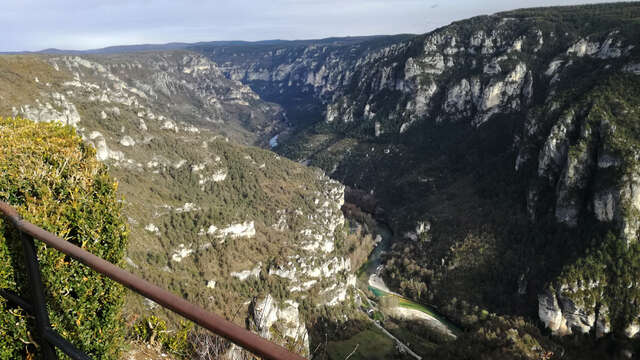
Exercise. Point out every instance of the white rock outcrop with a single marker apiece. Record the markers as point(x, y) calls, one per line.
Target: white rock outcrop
point(555, 149)
point(245, 229)
point(271, 318)
point(583, 47)
point(609, 49)
point(632, 68)
point(152, 228)
point(127, 141)
point(103, 153)
point(561, 315)
point(56, 109)
point(246, 274)
point(181, 252)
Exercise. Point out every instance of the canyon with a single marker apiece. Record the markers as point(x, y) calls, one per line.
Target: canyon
point(501, 152)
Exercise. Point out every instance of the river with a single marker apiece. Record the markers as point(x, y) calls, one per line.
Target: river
point(406, 309)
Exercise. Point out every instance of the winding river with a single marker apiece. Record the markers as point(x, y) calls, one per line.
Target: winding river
point(406, 308)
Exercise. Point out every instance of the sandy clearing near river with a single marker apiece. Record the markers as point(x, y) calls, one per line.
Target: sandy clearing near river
point(403, 313)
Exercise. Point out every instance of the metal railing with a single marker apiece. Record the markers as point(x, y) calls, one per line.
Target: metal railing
point(51, 339)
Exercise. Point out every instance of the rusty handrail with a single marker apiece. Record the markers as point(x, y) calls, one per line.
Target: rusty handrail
point(212, 322)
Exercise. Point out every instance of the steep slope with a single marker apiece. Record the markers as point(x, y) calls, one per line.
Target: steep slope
point(501, 148)
point(185, 87)
point(299, 75)
point(239, 230)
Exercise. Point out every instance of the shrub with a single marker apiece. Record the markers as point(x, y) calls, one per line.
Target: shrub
point(54, 181)
point(154, 331)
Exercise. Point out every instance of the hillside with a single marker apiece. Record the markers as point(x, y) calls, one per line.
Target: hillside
point(298, 75)
point(502, 150)
point(239, 230)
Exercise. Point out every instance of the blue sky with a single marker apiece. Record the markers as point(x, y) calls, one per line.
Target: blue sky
point(89, 24)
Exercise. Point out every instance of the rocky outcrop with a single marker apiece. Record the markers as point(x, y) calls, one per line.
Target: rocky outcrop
point(53, 108)
point(281, 322)
point(566, 312)
point(488, 91)
point(103, 153)
point(195, 88)
point(315, 258)
point(164, 124)
point(563, 316)
point(421, 72)
point(611, 48)
point(632, 68)
point(576, 162)
point(578, 152)
point(587, 170)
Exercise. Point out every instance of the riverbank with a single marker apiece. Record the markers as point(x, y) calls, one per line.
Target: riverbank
point(410, 311)
point(369, 279)
point(406, 328)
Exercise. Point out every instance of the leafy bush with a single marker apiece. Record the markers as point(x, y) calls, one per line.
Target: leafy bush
point(55, 182)
point(154, 331)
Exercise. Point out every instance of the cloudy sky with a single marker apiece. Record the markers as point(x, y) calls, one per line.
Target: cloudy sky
point(90, 24)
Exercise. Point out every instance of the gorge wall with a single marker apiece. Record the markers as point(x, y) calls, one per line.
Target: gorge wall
point(542, 100)
point(502, 150)
point(241, 231)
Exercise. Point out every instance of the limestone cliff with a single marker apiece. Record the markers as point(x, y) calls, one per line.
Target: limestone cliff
point(236, 229)
point(525, 98)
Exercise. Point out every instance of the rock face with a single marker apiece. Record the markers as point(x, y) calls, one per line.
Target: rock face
point(54, 109)
point(283, 321)
point(512, 86)
point(245, 218)
point(561, 315)
point(328, 72)
point(181, 90)
point(577, 152)
point(541, 115)
point(298, 74)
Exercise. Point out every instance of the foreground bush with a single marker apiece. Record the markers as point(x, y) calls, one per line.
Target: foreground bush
point(55, 182)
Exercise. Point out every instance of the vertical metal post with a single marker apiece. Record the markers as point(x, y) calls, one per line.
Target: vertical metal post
point(39, 303)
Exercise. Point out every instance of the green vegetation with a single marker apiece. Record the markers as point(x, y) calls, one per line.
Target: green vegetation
point(153, 331)
point(368, 344)
point(494, 242)
point(54, 181)
point(491, 249)
point(422, 342)
point(251, 192)
point(602, 277)
point(500, 337)
point(168, 169)
point(18, 84)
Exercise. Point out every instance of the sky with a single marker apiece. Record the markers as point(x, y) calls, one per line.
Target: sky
point(89, 24)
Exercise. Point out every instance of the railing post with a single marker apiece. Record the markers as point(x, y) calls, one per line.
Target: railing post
point(39, 302)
